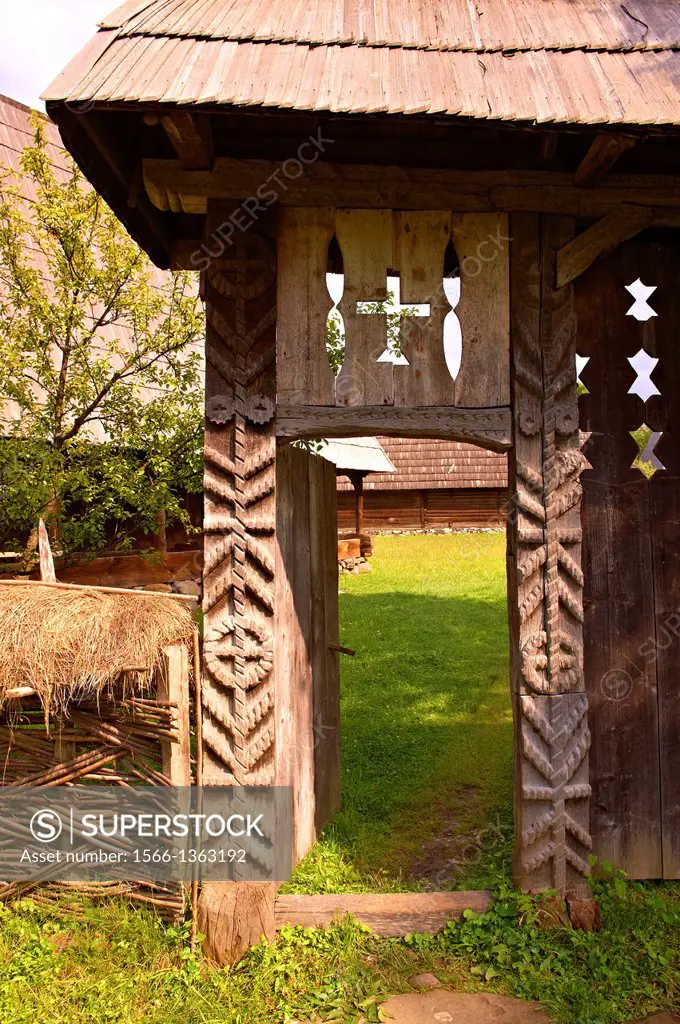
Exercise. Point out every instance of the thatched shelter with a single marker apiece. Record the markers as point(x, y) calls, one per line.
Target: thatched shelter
point(68, 644)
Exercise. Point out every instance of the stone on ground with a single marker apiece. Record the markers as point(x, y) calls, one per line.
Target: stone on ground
point(425, 981)
point(439, 1006)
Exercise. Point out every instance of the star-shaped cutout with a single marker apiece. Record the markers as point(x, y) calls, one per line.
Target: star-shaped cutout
point(643, 386)
point(641, 309)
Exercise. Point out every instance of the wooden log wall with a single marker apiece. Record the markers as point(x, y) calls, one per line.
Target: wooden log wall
point(545, 579)
point(632, 562)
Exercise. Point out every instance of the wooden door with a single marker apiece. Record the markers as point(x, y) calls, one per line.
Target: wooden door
point(306, 622)
point(631, 554)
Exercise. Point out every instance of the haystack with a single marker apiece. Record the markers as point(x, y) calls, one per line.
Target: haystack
point(67, 645)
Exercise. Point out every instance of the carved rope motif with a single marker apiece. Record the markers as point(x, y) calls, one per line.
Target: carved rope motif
point(552, 837)
point(240, 453)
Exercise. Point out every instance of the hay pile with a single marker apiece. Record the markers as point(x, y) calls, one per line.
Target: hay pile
point(70, 644)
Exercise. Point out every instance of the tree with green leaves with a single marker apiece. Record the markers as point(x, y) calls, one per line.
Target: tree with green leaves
point(101, 387)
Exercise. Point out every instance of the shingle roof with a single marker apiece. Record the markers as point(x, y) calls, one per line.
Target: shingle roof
point(423, 464)
point(534, 61)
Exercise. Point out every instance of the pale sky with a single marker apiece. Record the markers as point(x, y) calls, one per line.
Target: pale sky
point(38, 39)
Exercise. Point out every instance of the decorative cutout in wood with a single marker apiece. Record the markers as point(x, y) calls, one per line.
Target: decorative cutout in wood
point(646, 460)
point(416, 334)
point(581, 363)
point(643, 386)
point(393, 308)
point(641, 309)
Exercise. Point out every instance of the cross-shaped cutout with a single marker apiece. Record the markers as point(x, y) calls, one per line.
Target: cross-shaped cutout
point(643, 386)
point(641, 309)
point(394, 310)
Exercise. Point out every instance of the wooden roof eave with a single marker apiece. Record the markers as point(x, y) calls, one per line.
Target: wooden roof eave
point(117, 182)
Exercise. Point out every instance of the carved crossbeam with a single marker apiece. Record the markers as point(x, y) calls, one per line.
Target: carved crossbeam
point(487, 428)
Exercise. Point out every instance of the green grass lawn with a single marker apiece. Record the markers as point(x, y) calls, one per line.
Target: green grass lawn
point(426, 720)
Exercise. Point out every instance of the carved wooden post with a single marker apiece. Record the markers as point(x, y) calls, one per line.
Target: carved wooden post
point(545, 580)
point(238, 602)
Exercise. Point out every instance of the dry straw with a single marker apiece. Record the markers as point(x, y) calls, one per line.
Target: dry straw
point(67, 645)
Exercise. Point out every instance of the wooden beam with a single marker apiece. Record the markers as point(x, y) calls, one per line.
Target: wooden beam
point(607, 234)
point(188, 598)
point(601, 157)
point(264, 182)
point(488, 428)
point(191, 136)
point(173, 688)
point(386, 914)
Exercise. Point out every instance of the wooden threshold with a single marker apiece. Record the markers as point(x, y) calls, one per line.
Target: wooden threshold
point(487, 428)
point(390, 915)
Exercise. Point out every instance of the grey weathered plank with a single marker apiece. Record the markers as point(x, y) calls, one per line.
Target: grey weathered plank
point(388, 914)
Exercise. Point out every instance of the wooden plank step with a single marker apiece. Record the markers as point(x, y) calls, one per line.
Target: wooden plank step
point(387, 914)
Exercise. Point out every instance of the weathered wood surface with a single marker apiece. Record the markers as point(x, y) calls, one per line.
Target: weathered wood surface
point(126, 571)
point(660, 265)
point(482, 246)
point(325, 633)
point(389, 914)
point(619, 588)
point(420, 239)
point(412, 246)
point(488, 428)
point(545, 578)
point(604, 236)
point(47, 573)
point(239, 563)
point(302, 366)
point(366, 240)
point(604, 152)
point(173, 688)
point(359, 185)
point(293, 654)
point(306, 621)
point(240, 454)
point(234, 916)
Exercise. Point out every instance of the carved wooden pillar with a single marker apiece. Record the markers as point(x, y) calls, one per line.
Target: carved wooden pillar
point(238, 601)
point(545, 579)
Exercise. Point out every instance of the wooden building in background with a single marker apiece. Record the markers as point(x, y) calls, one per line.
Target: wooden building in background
point(435, 485)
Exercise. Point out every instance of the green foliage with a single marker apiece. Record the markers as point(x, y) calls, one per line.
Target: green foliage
point(109, 964)
point(426, 719)
point(641, 437)
point(95, 346)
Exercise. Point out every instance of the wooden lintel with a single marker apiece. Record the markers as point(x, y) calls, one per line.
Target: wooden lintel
point(601, 157)
point(487, 428)
point(261, 183)
point(607, 234)
point(386, 914)
point(191, 136)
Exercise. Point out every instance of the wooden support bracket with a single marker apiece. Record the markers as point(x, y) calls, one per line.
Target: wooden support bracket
point(607, 234)
point(601, 157)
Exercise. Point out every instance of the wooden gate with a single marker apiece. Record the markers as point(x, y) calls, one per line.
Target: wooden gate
point(631, 555)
